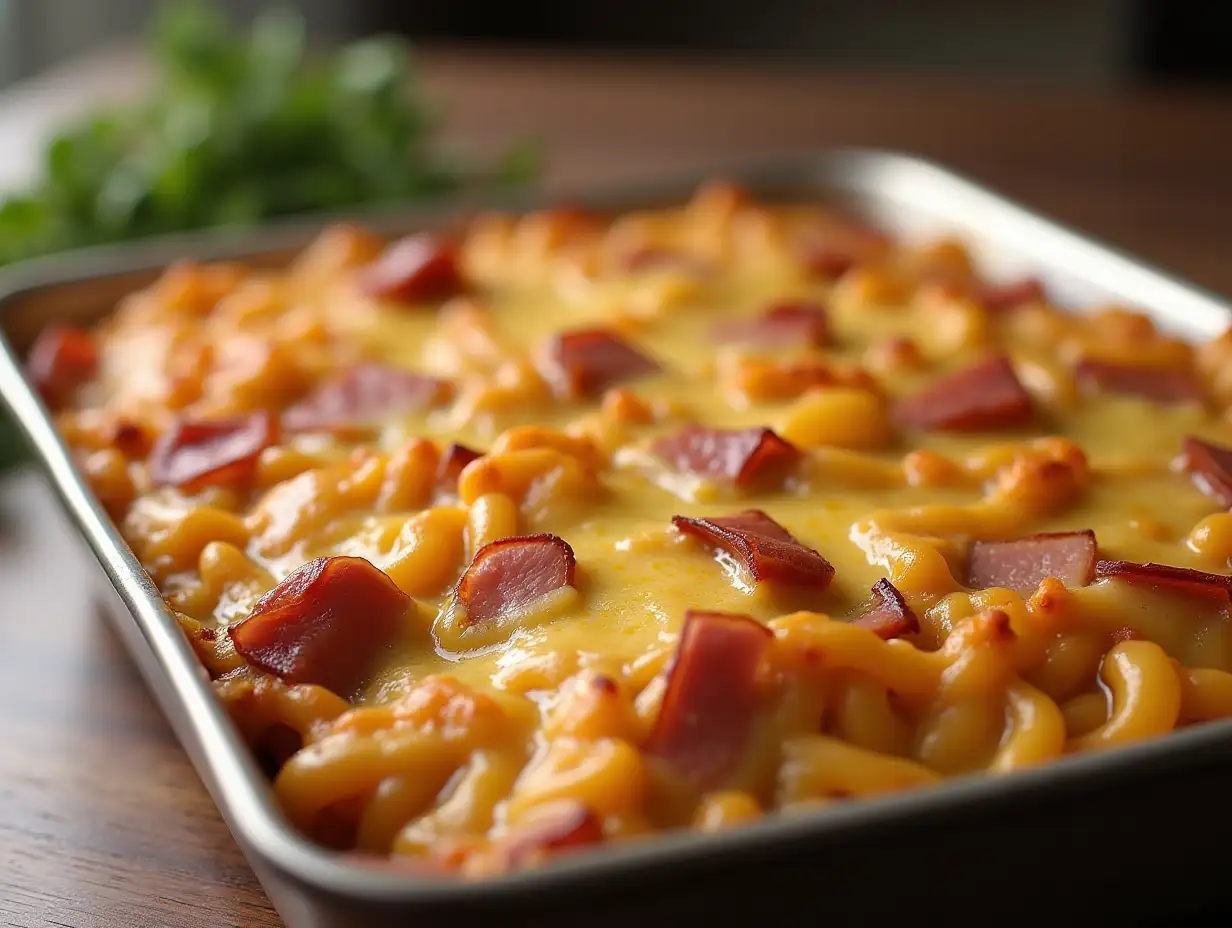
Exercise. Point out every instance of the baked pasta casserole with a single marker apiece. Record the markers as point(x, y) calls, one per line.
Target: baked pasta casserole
point(565, 529)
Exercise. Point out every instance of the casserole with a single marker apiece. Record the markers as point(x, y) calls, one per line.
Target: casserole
point(903, 195)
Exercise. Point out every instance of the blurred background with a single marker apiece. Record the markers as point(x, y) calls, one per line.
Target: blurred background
point(1092, 42)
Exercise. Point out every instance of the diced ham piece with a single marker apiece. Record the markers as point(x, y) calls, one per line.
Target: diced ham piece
point(1209, 467)
point(765, 549)
point(830, 262)
point(986, 395)
point(890, 616)
point(585, 362)
point(192, 454)
point(62, 358)
point(832, 252)
point(1020, 564)
point(453, 461)
point(557, 826)
point(1181, 579)
point(781, 326)
point(360, 397)
point(326, 624)
point(1168, 385)
point(131, 439)
point(511, 574)
point(415, 269)
point(743, 457)
point(712, 697)
point(997, 298)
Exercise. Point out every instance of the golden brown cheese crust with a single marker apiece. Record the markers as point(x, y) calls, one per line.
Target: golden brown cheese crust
point(552, 390)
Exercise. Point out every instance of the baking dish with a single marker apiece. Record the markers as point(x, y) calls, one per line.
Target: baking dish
point(1018, 838)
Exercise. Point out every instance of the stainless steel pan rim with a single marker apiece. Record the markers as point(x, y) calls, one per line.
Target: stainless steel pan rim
point(227, 767)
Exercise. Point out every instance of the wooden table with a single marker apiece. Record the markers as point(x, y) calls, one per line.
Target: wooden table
point(102, 820)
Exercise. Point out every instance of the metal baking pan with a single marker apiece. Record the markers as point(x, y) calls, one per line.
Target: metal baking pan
point(1130, 835)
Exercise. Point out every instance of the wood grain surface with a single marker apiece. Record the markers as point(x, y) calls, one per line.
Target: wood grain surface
point(102, 821)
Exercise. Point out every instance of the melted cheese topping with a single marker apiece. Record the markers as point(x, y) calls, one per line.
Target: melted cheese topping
point(875, 498)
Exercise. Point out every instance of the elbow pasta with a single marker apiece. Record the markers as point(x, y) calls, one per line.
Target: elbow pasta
point(464, 733)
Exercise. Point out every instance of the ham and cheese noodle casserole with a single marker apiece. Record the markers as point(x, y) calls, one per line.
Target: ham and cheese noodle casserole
point(574, 529)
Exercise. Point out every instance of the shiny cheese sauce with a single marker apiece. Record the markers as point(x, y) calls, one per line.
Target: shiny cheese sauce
point(880, 495)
